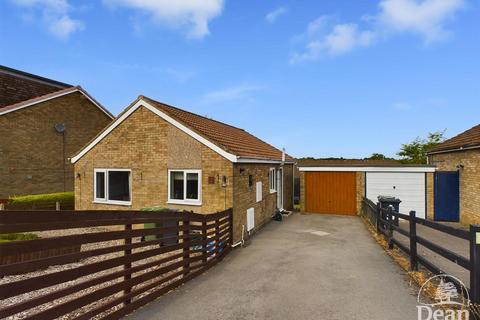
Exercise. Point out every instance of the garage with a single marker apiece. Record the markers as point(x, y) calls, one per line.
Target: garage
point(339, 188)
point(406, 186)
point(331, 192)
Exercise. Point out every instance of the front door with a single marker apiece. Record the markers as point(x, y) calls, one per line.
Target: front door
point(447, 196)
point(280, 188)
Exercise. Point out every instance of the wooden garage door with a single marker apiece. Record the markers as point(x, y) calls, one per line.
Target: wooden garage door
point(330, 192)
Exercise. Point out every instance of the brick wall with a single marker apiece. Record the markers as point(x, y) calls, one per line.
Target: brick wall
point(31, 151)
point(302, 191)
point(244, 196)
point(360, 184)
point(430, 195)
point(469, 180)
point(149, 146)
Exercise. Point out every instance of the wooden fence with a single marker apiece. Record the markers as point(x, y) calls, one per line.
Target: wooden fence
point(386, 223)
point(122, 265)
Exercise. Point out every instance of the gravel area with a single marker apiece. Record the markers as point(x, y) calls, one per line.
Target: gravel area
point(87, 261)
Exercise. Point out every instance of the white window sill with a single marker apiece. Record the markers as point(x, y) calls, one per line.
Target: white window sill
point(113, 202)
point(273, 191)
point(184, 203)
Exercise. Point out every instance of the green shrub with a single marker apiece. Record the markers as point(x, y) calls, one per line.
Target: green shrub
point(61, 197)
point(156, 208)
point(42, 201)
point(17, 237)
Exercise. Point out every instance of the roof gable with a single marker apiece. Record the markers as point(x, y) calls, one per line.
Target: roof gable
point(233, 143)
point(50, 96)
point(17, 86)
point(466, 139)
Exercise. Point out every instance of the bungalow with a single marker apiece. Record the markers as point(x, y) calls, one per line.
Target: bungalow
point(155, 154)
point(43, 122)
point(457, 181)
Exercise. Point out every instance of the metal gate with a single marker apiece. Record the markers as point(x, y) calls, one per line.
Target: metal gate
point(447, 196)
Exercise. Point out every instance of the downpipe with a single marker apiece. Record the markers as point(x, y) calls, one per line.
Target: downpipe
point(242, 241)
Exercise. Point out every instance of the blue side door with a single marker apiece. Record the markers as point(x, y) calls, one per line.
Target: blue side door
point(447, 196)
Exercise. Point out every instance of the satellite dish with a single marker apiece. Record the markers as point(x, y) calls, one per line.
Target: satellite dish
point(59, 127)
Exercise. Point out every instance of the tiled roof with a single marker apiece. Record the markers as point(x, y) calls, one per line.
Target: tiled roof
point(232, 139)
point(469, 138)
point(17, 86)
point(54, 95)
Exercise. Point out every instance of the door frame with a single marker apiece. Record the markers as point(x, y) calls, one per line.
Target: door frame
point(279, 177)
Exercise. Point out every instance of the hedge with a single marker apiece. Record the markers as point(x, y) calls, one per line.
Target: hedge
point(17, 236)
point(42, 201)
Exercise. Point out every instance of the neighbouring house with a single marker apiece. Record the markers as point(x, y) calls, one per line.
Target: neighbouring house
point(457, 180)
point(154, 154)
point(43, 122)
point(338, 186)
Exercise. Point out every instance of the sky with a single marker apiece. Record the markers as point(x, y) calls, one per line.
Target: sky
point(321, 78)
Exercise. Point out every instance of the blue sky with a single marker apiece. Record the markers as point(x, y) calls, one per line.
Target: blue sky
point(320, 78)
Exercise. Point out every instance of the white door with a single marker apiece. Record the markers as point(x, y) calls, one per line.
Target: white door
point(406, 186)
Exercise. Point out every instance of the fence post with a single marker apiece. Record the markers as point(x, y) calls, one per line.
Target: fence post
point(390, 227)
point(413, 242)
point(128, 265)
point(2, 206)
point(186, 248)
point(377, 217)
point(230, 213)
point(475, 263)
point(204, 239)
point(217, 237)
point(57, 206)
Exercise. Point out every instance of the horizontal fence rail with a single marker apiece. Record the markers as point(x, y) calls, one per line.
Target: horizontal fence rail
point(385, 220)
point(115, 262)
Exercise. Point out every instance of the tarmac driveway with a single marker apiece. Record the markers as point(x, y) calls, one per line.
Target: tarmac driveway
point(306, 267)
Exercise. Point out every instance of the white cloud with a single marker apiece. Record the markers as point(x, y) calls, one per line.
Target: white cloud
point(402, 106)
point(55, 14)
point(431, 103)
point(231, 93)
point(341, 39)
point(426, 18)
point(275, 14)
point(191, 14)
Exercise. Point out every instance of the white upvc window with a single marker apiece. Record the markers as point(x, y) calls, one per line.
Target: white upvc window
point(259, 194)
point(112, 186)
point(272, 180)
point(185, 187)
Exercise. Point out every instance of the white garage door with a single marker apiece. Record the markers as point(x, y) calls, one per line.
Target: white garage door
point(406, 186)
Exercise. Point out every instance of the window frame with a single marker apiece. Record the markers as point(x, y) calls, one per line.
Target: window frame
point(272, 174)
point(185, 201)
point(258, 191)
point(105, 200)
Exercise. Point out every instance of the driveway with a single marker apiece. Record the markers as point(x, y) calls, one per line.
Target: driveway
point(306, 267)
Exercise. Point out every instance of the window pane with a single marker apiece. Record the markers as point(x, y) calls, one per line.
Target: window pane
point(176, 185)
point(119, 185)
point(100, 185)
point(192, 186)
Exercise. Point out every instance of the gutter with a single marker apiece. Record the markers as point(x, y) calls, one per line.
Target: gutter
point(261, 160)
point(453, 150)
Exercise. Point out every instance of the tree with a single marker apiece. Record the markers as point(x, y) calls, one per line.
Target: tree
point(415, 152)
point(378, 156)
